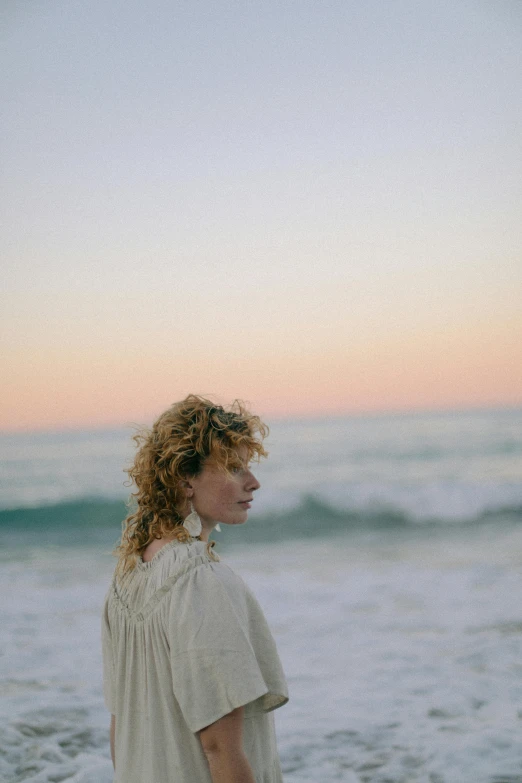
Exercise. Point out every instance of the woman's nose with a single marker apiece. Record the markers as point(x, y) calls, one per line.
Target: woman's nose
point(252, 482)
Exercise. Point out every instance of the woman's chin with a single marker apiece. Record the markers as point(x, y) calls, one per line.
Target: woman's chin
point(237, 521)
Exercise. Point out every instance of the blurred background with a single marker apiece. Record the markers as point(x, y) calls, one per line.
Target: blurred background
point(316, 208)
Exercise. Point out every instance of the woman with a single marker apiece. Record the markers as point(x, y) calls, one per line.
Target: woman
point(191, 672)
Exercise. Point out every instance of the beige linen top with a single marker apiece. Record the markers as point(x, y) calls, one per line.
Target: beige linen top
point(184, 642)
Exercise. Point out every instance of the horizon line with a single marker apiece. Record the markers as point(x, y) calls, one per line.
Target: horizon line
point(279, 417)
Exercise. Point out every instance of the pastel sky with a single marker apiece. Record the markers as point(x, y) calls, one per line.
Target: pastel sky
point(313, 206)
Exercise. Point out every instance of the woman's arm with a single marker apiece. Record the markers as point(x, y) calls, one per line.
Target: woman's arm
point(112, 734)
point(222, 744)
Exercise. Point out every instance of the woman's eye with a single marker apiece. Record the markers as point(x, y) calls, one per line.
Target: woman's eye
point(239, 468)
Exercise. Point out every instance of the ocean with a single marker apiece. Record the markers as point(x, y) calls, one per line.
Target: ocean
point(385, 550)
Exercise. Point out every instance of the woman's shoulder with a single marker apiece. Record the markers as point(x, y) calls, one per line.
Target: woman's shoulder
point(218, 584)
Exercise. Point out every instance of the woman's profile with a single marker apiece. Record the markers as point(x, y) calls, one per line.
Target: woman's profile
point(191, 672)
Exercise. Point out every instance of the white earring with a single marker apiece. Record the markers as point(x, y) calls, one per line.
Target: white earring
point(192, 523)
point(218, 528)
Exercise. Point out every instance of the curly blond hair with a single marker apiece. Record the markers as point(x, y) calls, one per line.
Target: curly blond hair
point(177, 445)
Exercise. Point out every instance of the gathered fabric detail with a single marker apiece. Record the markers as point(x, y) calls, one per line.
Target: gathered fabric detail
point(153, 601)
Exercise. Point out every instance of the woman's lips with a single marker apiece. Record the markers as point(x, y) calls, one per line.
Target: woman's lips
point(245, 503)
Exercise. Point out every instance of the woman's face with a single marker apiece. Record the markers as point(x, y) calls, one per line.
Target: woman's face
point(221, 498)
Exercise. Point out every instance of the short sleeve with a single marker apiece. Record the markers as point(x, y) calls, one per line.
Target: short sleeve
point(107, 660)
point(222, 653)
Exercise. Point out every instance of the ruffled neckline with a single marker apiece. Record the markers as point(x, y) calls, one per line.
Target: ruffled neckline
point(141, 565)
point(162, 551)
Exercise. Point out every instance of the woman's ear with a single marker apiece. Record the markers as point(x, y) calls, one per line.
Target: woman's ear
point(187, 486)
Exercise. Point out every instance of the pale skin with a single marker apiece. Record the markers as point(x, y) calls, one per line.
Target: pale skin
point(217, 497)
